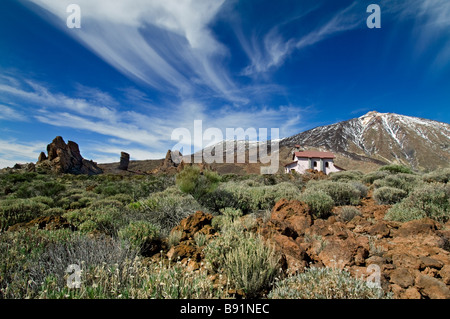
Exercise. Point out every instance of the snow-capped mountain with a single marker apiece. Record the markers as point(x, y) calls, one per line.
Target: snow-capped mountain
point(383, 138)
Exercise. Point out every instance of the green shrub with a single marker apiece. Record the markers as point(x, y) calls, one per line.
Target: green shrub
point(135, 279)
point(175, 237)
point(107, 220)
point(430, 200)
point(325, 283)
point(395, 168)
point(123, 198)
point(56, 211)
point(345, 176)
point(200, 239)
point(439, 176)
point(360, 187)
point(341, 193)
point(251, 266)
point(406, 182)
point(140, 234)
point(348, 213)
point(231, 231)
point(251, 196)
point(371, 177)
point(39, 188)
point(44, 200)
point(107, 202)
point(13, 211)
point(166, 209)
point(319, 202)
point(389, 195)
point(193, 181)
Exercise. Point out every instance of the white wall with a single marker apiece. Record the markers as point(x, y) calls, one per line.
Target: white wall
point(303, 164)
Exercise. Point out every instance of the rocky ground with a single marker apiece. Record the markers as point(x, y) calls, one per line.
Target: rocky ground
point(413, 257)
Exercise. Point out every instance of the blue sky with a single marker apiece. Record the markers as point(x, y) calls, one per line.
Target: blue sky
point(138, 69)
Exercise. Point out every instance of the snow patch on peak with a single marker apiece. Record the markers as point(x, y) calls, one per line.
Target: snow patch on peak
point(366, 118)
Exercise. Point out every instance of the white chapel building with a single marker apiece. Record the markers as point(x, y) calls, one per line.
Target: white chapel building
point(319, 161)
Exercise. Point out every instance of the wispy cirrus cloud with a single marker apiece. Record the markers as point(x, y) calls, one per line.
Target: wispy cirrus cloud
point(167, 44)
point(135, 130)
point(272, 49)
point(9, 114)
point(13, 151)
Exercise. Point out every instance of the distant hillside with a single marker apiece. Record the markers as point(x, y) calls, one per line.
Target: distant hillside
point(382, 138)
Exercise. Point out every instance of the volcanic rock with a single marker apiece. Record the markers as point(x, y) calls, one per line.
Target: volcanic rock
point(124, 161)
point(66, 158)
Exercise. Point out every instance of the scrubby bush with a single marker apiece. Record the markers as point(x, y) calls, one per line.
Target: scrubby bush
point(200, 239)
point(430, 200)
point(396, 168)
point(388, 195)
point(166, 209)
point(406, 182)
point(371, 177)
point(341, 193)
point(13, 211)
point(107, 202)
point(174, 237)
point(249, 263)
point(439, 176)
point(44, 200)
point(252, 265)
point(360, 187)
point(320, 203)
point(107, 220)
point(136, 279)
point(31, 256)
point(345, 176)
point(325, 283)
point(348, 213)
point(193, 181)
point(140, 234)
point(137, 187)
point(250, 196)
point(39, 188)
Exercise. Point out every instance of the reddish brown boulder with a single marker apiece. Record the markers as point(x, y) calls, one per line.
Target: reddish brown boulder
point(291, 251)
point(428, 262)
point(338, 253)
point(380, 230)
point(445, 274)
point(418, 227)
point(291, 217)
point(197, 222)
point(402, 277)
point(183, 252)
point(432, 288)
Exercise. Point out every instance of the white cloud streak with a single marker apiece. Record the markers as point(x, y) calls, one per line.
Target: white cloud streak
point(12, 152)
point(275, 48)
point(166, 44)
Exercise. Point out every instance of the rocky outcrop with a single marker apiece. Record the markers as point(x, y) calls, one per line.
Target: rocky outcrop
point(124, 161)
point(66, 158)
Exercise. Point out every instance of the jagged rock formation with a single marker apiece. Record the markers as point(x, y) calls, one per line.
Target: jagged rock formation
point(124, 161)
point(66, 158)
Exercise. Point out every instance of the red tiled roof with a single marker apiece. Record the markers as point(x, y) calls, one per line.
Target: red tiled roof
point(314, 154)
point(291, 163)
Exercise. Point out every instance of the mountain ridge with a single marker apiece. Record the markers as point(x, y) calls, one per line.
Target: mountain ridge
point(384, 138)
